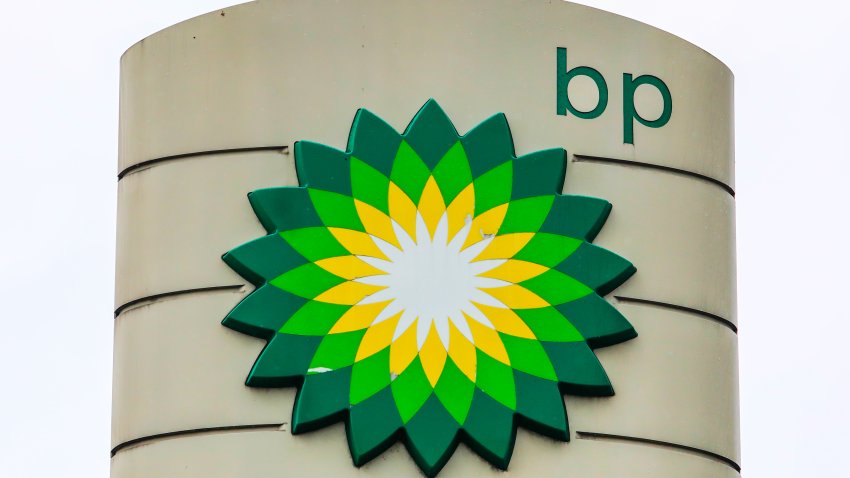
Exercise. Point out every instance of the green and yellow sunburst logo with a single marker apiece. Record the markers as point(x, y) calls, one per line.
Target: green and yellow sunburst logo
point(431, 288)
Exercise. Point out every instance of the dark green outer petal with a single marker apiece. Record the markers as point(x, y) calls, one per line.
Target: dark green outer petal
point(319, 402)
point(432, 436)
point(580, 217)
point(597, 268)
point(598, 321)
point(263, 312)
point(431, 133)
point(263, 259)
point(373, 141)
point(322, 167)
point(489, 144)
point(540, 173)
point(282, 209)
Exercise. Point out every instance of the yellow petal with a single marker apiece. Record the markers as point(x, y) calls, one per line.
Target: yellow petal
point(358, 243)
point(462, 352)
point(348, 267)
point(517, 297)
point(506, 321)
point(486, 224)
point(431, 205)
point(358, 317)
point(403, 350)
point(505, 246)
point(488, 340)
point(376, 222)
point(402, 210)
point(515, 271)
point(461, 208)
point(348, 293)
point(377, 338)
point(433, 356)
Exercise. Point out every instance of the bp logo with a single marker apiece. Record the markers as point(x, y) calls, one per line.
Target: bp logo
point(430, 288)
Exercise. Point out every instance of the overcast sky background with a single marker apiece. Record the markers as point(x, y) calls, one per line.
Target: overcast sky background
point(58, 133)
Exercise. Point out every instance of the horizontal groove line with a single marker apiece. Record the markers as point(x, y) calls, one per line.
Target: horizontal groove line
point(140, 300)
point(151, 162)
point(647, 441)
point(626, 162)
point(195, 431)
point(707, 315)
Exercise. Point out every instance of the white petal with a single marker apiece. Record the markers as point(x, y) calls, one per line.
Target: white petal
point(472, 251)
point(441, 235)
point(382, 279)
point(404, 239)
point(389, 250)
point(479, 317)
point(462, 326)
point(480, 267)
point(482, 297)
point(442, 325)
point(390, 310)
point(380, 296)
point(381, 264)
point(457, 241)
point(404, 323)
point(485, 283)
point(422, 234)
point(423, 326)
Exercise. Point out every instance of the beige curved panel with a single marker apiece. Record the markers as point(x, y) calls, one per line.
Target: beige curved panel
point(177, 218)
point(324, 454)
point(676, 382)
point(677, 230)
point(273, 72)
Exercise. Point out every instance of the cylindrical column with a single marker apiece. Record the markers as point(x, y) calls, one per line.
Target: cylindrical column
point(456, 207)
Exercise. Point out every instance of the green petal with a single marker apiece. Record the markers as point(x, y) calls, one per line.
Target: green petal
point(540, 406)
point(578, 369)
point(322, 167)
point(431, 133)
point(369, 185)
point(373, 426)
point(549, 325)
point(263, 259)
point(314, 318)
point(432, 436)
point(489, 144)
point(282, 209)
point(319, 402)
point(540, 173)
point(526, 215)
point(495, 379)
point(548, 249)
point(307, 281)
point(556, 288)
point(314, 243)
point(283, 362)
point(597, 268)
point(598, 321)
point(528, 356)
point(577, 216)
point(409, 172)
point(452, 173)
point(337, 351)
point(493, 188)
point(263, 312)
point(369, 376)
point(455, 391)
point(410, 390)
point(373, 141)
point(490, 430)
point(336, 210)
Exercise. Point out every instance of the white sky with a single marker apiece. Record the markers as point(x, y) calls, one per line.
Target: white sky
point(58, 131)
